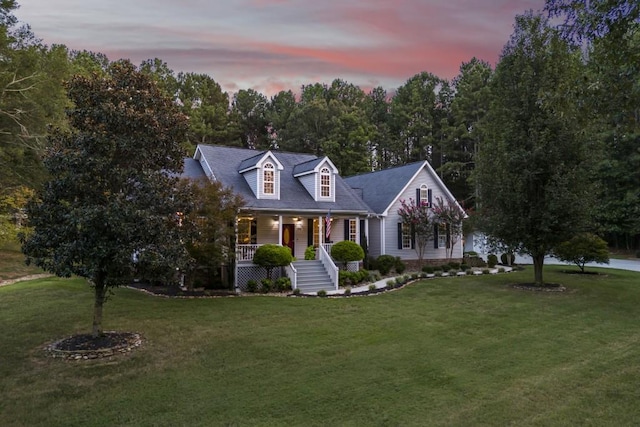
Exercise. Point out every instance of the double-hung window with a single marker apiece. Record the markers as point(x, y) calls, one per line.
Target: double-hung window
point(268, 179)
point(325, 183)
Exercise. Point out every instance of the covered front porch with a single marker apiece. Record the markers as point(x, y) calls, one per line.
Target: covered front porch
point(296, 232)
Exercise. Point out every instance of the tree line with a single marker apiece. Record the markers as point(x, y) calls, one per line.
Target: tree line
point(447, 122)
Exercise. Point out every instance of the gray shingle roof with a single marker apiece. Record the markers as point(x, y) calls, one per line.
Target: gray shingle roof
point(380, 188)
point(192, 169)
point(306, 166)
point(250, 162)
point(226, 161)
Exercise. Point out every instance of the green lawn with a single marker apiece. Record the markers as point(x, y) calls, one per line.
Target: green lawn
point(12, 263)
point(451, 351)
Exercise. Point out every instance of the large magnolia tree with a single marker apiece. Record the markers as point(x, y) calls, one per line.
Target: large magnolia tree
point(112, 196)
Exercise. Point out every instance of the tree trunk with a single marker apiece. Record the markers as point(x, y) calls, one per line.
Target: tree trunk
point(100, 292)
point(538, 263)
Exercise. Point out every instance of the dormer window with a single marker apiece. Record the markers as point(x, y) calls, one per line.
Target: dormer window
point(268, 181)
point(325, 182)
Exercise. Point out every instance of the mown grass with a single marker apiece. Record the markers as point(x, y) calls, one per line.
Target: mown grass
point(450, 351)
point(12, 263)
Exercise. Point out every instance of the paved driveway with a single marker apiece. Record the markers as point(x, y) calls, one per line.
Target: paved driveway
point(620, 264)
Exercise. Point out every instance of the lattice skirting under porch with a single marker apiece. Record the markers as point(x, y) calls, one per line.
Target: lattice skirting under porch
point(250, 271)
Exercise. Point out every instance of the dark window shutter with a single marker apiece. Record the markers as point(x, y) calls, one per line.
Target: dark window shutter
point(254, 231)
point(417, 196)
point(310, 232)
point(363, 237)
point(435, 236)
point(346, 229)
point(399, 235)
point(448, 236)
point(429, 196)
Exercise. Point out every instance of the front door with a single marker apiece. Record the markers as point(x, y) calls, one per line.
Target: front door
point(288, 238)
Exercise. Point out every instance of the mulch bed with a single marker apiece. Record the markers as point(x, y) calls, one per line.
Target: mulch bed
point(85, 347)
point(174, 291)
point(547, 287)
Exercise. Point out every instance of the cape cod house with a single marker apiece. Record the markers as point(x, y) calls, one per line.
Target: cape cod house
point(300, 200)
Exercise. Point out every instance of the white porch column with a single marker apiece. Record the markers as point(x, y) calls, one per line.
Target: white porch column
point(280, 230)
point(320, 231)
point(366, 230)
point(383, 239)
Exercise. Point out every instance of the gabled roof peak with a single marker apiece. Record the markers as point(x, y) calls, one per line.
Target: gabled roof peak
point(253, 161)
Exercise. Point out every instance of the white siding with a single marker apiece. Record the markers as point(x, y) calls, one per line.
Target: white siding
point(267, 230)
point(392, 220)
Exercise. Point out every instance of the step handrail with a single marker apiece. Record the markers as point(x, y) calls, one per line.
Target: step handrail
point(329, 265)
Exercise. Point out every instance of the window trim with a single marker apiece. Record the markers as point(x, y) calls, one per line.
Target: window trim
point(268, 168)
point(325, 172)
point(406, 236)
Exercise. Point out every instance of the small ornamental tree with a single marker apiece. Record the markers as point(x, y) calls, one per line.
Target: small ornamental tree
point(272, 256)
point(347, 251)
point(420, 220)
point(209, 225)
point(583, 248)
point(111, 196)
point(451, 215)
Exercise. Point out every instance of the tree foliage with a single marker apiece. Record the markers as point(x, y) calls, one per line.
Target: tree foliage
point(111, 193)
point(533, 170)
point(209, 224)
point(581, 249)
point(271, 256)
point(449, 213)
point(419, 219)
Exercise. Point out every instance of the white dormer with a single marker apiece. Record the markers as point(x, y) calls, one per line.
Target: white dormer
point(262, 173)
point(318, 177)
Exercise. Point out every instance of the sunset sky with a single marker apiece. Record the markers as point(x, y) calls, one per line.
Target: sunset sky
point(269, 45)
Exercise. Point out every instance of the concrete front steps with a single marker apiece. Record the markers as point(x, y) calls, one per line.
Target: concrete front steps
point(313, 277)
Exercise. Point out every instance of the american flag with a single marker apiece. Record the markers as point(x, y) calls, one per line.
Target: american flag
point(327, 221)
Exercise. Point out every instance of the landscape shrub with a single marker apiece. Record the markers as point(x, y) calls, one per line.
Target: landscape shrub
point(391, 284)
point(310, 253)
point(399, 266)
point(485, 271)
point(445, 267)
point(427, 269)
point(501, 270)
point(464, 267)
point(372, 287)
point(347, 251)
point(414, 276)
point(583, 248)
point(252, 286)
point(385, 263)
point(296, 291)
point(437, 268)
point(270, 256)
point(438, 273)
point(638, 254)
point(469, 272)
point(322, 293)
point(283, 284)
point(347, 291)
point(454, 265)
point(400, 280)
point(266, 285)
point(508, 258)
point(492, 260)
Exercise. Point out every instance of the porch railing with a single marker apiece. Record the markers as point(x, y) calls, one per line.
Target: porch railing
point(246, 252)
point(327, 247)
point(292, 273)
point(329, 266)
